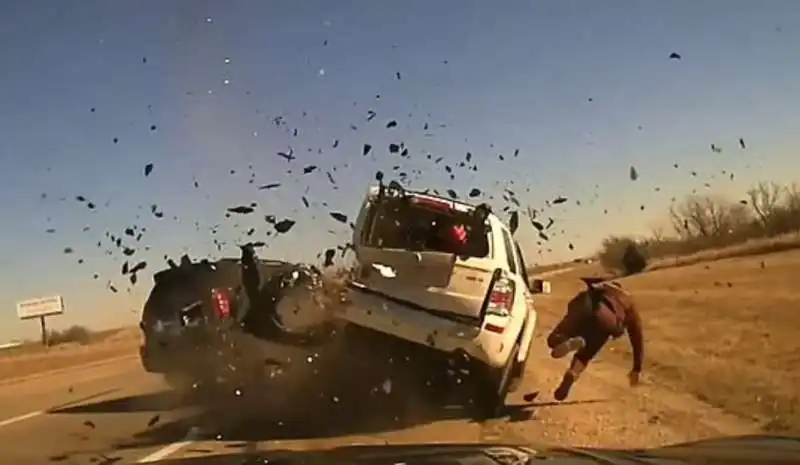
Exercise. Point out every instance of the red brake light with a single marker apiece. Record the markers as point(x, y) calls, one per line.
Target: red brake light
point(221, 301)
point(433, 204)
point(494, 328)
point(501, 301)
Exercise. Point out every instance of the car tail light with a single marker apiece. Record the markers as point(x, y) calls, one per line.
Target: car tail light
point(501, 301)
point(220, 300)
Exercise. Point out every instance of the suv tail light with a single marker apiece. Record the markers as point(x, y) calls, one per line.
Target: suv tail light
point(501, 301)
point(221, 301)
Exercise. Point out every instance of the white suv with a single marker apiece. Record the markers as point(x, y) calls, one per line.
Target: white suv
point(473, 301)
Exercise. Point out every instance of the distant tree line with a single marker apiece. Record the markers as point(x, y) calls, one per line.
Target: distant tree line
point(74, 334)
point(703, 222)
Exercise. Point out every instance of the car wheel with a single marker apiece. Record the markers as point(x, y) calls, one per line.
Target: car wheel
point(493, 385)
point(146, 361)
point(517, 376)
point(518, 372)
point(179, 382)
point(298, 307)
point(350, 339)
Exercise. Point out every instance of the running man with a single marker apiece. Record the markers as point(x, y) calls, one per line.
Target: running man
point(601, 312)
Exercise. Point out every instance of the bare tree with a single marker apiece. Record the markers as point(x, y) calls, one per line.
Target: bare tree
point(791, 198)
point(788, 213)
point(707, 216)
point(737, 218)
point(765, 200)
point(707, 221)
point(657, 234)
point(679, 224)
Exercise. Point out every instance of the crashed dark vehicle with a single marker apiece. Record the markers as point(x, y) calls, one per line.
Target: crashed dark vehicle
point(208, 321)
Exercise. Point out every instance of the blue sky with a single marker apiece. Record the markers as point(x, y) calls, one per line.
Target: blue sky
point(582, 89)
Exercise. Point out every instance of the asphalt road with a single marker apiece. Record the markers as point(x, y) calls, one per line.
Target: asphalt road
point(116, 412)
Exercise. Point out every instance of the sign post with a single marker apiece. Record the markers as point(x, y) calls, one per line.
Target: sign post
point(43, 324)
point(41, 308)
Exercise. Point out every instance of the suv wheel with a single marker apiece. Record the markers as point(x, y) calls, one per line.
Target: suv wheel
point(493, 386)
point(518, 374)
point(180, 383)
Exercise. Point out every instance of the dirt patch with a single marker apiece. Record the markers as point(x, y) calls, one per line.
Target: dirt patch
point(724, 331)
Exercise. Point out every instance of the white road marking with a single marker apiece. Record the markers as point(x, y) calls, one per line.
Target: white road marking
point(166, 451)
point(29, 415)
point(19, 418)
point(551, 273)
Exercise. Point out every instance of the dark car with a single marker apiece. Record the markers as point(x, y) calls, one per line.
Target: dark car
point(200, 316)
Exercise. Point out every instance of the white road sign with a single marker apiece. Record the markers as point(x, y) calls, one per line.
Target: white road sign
point(44, 306)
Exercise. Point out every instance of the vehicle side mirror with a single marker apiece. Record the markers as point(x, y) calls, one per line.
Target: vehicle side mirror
point(540, 286)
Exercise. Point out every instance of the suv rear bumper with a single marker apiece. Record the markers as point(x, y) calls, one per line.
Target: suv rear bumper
point(392, 318)
point(204, 356)
point(390, 346)
point(155, 360)
point(176, 357)
point(427, 335)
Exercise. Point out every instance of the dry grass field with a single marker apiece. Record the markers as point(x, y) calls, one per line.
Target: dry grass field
point(725, 331)
point(31, 358)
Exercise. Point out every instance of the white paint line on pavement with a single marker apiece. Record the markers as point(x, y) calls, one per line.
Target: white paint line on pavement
point(166, 451)
point(552, 273)
point(19, 418)
point(28, 416)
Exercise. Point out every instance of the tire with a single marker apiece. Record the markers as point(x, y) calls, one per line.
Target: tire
point(518, 372)
point(146, 362)
point(179, 382)
point(517, 376)
point(290, 291)
point(346, 340)
point(493, 385)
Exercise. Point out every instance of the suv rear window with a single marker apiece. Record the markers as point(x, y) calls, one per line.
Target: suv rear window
point(179, 286)
point(399, 223)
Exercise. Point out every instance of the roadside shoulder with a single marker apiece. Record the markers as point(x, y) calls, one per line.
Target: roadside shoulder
point(604, 411)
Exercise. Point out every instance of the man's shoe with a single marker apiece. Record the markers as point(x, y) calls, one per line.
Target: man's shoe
point(572, 344)
point(562, 391)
